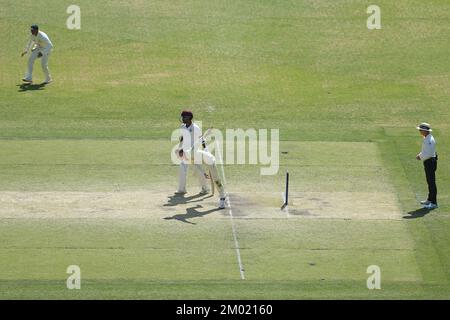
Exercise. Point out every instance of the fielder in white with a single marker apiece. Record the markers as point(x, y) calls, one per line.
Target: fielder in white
point(41, 47)
point(189, 152)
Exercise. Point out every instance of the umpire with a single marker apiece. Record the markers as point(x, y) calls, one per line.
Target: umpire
point(429, 157)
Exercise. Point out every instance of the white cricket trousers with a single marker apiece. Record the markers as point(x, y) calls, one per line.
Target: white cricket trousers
point(210, 162)
point(183, 175)
point(44, 64)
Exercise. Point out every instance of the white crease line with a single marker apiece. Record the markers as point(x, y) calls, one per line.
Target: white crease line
point(236, 242)
point(233, 227)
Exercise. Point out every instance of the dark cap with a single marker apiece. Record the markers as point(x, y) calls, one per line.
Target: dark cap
point(187, 113)
point(34, 27)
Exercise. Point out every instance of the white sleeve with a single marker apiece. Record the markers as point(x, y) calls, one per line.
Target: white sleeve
point(46, 50)
point(428, 150)
point(180, 138)
point(197, 133)
point(421, 156)
point(186, 144)
point(49, 45)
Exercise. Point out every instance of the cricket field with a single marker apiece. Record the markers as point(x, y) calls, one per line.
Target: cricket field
point(86, 177)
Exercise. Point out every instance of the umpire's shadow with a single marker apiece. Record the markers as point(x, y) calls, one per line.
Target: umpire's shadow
point(191, 213)
point(181, 199)
point(29, 87)
point(419, 213)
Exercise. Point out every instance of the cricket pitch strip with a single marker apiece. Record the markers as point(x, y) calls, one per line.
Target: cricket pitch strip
point(194, 208)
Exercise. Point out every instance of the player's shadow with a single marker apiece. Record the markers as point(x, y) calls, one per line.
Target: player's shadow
point(419, 213)
point(30, 87)
point(191, 213)
point(180, 199)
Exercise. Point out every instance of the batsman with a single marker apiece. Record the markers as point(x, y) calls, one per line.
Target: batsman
point(192, 150)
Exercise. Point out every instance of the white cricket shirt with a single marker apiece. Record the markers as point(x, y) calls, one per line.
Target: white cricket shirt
point(191, 136)
point(42, 42)
point(428, 148)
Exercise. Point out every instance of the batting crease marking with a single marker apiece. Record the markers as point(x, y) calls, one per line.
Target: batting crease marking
point(233, 227)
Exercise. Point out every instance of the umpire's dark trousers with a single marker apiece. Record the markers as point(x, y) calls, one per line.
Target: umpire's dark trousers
point(430, 166)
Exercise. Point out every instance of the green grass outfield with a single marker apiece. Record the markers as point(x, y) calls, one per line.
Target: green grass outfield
point(85, 171)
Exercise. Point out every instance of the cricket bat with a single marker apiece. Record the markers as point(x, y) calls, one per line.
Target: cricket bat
point(213, 188)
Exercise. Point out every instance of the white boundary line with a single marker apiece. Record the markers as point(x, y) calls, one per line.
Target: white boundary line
point(233, 227)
